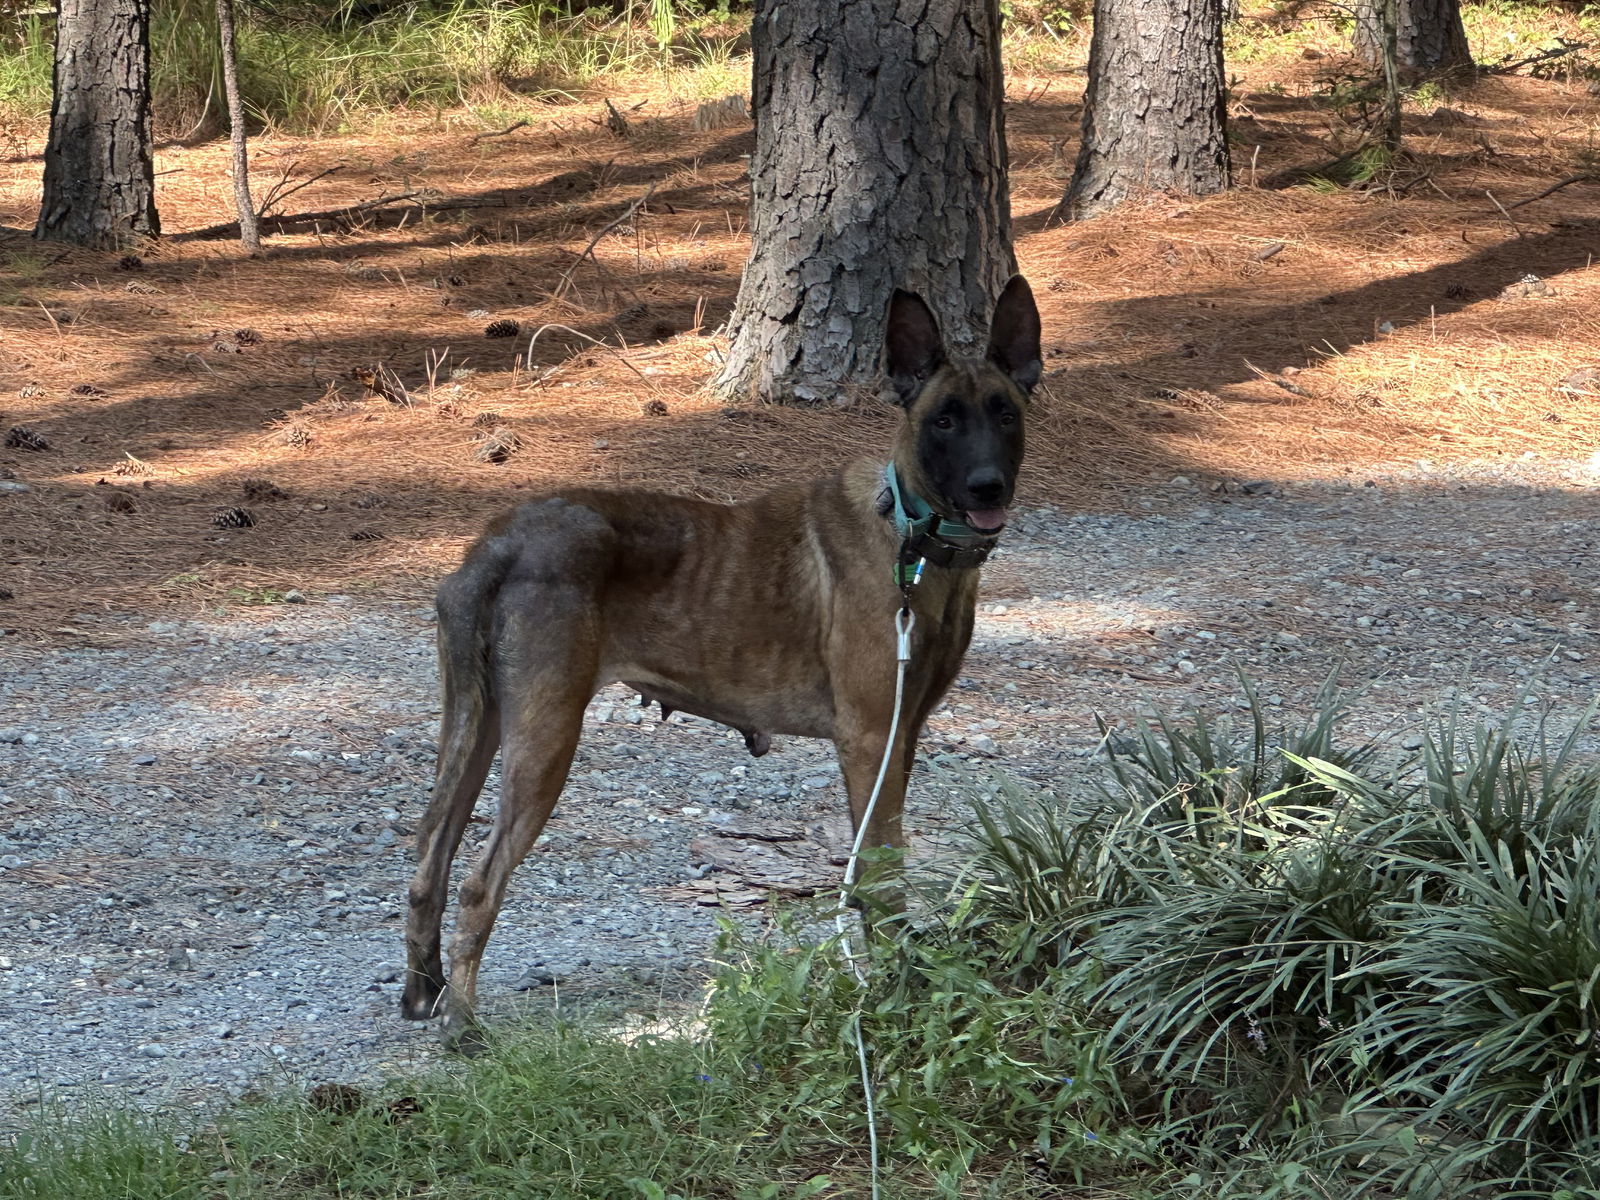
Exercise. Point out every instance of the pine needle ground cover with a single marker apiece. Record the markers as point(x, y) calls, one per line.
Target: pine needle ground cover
point(1300, 326)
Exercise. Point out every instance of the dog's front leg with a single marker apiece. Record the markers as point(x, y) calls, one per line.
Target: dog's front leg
point(861, 744)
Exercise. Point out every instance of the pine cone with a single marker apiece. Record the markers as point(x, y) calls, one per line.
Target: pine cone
point(502, 329)
point(338, 1098)
point(295, 433)
point(498, 444)
point(20, 437)
point(233, 518)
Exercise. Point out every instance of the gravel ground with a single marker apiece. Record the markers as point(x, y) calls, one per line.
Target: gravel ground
point(205, 824)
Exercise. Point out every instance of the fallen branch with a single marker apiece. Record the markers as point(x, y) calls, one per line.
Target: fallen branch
point(588, 251)
point(274, 196)
point(1517, 228)
point(1556, 187)
point(279, 224)
point(615, 121)
point(621, 358)
point(1561, 51)
point(500, 133)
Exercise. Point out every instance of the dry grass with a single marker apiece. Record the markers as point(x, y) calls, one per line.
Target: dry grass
point(349, 362)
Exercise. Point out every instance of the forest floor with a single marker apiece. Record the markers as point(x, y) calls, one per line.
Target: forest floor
point(1269, 333)
point(1282, 429)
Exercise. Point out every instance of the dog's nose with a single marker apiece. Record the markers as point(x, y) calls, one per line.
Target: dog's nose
point(986, 485)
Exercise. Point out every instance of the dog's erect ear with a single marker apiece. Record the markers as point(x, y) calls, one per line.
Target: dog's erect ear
point(1014, 334)
point(912, 347)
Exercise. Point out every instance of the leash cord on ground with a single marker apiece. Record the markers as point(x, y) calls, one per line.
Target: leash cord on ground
point(904, 621)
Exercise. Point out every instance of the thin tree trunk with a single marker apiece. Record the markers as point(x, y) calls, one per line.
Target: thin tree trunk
point(1155, 113)
point(1385, 14)
point(1428, 34)
point(99, 177)
point(880, 162)
point(249, 232)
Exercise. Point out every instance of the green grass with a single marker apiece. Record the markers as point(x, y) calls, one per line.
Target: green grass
point(1256, 959)
point(25, 66)
point(304, 69)
point(555, 1115)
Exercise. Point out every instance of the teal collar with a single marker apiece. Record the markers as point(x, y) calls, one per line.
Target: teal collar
point(914, 516)
point(924, 534)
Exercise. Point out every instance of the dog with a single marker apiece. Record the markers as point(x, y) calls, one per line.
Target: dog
point(773, 615)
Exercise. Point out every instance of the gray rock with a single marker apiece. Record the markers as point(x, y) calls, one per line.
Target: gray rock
point(535, 977)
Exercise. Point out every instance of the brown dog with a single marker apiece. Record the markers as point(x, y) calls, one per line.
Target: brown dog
point(773, 616)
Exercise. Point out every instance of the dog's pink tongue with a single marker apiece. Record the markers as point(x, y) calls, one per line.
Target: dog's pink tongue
point(986, 520)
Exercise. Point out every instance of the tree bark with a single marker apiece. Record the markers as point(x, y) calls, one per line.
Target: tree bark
point(880, 162)
point(1429, 35)
point(1155, 113)
point(249, 231)
point(1383, 20)
point(99, 178)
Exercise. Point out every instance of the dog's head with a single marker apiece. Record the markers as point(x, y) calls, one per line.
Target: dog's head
point(962, 441)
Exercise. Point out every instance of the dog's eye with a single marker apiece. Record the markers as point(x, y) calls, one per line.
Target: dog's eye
point(1008, 419)
point(944, 422)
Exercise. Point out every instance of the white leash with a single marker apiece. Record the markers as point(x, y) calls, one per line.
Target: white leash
point(904, 622)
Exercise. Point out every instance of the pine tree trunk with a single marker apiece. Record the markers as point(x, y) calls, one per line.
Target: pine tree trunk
point(99, 181)
point(1429, 35)
point(1382, 17)
point(1155, 114)
point(880, 162)
point(249, 231)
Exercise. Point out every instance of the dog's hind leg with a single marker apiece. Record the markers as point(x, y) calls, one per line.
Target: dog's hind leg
point(549, 658)
point(468, 736)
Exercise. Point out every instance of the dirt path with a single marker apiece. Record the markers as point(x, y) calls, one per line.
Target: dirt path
point(205, 823)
